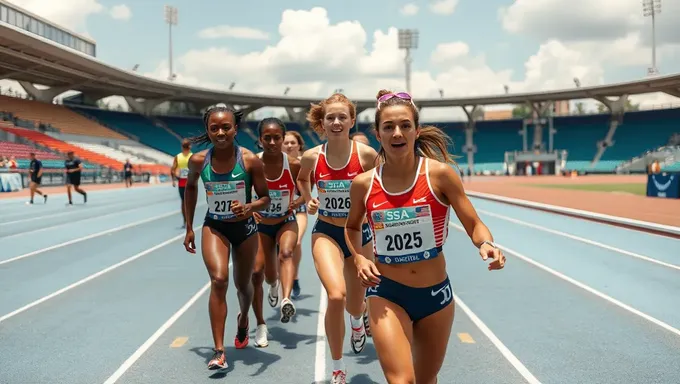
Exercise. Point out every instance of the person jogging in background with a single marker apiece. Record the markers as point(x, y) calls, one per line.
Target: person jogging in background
point(127, 173)
point(74, 170)
point(180, 171)
point(35, 172)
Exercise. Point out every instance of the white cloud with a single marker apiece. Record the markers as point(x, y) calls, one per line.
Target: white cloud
point(121, 12)
point(443, 7)
point(226, 31)
point(446, 52)
point(70, 14)
point(409, 9)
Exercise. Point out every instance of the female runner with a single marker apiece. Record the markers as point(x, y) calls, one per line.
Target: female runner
point(407, 203)
point(229, 172)
point(276, 226)
point(334, 165)
point(294, 145)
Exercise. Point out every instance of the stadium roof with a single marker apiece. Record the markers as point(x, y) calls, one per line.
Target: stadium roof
point(28, 57)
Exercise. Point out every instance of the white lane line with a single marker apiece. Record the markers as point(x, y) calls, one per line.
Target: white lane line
point(581, 239)
point(528, 376)
point(76, 221)
point(320, 355)
point(151, 340)
point(93, 276)
point(584, 287)
point(92, 236)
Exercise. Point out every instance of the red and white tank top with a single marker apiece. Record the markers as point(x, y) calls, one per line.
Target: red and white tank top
point(333, 184)
point(408, 226)
point(281, 192)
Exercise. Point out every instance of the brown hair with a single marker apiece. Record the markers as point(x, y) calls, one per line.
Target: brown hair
point(298, 138)
point(316, 113)
point(432, 142)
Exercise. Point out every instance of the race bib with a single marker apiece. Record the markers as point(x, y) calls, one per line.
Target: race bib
point(404, 235)
point(334, 198)
point(280, 203)
point(221, 194)
point(183, 173)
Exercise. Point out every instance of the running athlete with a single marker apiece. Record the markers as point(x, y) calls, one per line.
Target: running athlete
point(360, 137)
point(127, 173)
point(229, 172)
point(74, 170)
point(294, 145)
point(276, 226)
point(407, 200)
point(179, 171)
point(35, 172)
point(334, 165)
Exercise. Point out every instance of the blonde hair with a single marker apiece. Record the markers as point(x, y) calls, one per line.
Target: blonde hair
point(316, 113)
point(432, 142)
point(298, 138)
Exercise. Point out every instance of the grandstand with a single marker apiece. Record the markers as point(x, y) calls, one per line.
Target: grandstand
point(602, 143)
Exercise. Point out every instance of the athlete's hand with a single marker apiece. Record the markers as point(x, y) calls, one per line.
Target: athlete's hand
point(487, 251)
point(313, 206)
point(257, 216)
point(239, 209)
point(367, 271)
point(189, 244)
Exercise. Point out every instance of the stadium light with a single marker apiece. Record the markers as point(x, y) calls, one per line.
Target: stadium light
point(577, 82)
point(652, 8)
point(170, 19)
point(408, 40)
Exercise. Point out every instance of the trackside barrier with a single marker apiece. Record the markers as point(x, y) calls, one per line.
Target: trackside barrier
point(664, 185)
point(663, 229)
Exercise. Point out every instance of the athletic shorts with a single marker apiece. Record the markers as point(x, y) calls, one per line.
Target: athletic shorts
point(338, 235)
point(235, 231)
point(36, 179)
point(272, 230)
point(418, 303)
point(73, 179)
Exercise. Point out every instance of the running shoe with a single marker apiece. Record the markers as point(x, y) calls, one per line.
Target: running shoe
point(218, 361)
point(296, 289)
point(241, 339)
point(339, 377)
point(287, 310)
point(358, 337)
point(261, 336)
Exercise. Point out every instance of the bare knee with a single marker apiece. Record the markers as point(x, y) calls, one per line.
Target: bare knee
point(285, 253)
point(258, 278)
point(401, 378)
point(219, 282)
point(243, 283)
point(336, 299)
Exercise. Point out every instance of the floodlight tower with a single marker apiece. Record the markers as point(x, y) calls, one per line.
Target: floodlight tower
point(171, 19)
point(408, 40)
point(652, 8)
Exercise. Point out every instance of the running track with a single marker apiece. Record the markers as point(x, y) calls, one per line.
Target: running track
point(105, 293)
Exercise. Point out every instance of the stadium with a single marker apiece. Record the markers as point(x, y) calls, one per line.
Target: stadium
point(584, 206)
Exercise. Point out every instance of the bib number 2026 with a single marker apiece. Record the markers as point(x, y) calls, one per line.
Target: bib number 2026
point(337, 202)
point(222, 206)
point(404, 241)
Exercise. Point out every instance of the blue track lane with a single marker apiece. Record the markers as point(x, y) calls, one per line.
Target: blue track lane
point(561, 333)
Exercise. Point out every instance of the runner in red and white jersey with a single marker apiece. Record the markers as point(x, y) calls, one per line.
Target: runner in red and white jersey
point(407, 203)
point(333, 166)
point(276, 226)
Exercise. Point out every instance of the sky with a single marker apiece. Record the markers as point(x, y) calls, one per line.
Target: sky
point(465, 48)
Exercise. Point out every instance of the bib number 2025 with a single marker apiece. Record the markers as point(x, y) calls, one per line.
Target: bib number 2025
point(337, 202)
point(404, 241)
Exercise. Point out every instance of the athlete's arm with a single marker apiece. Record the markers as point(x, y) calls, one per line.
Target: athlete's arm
point(191, 189)
point(173, 169)
point(295, 171)
point(303, 179)
point(367, 156)
point(366, 269)
point(256, 171)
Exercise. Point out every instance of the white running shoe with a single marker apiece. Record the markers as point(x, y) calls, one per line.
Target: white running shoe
point(358, 337)
point(339, 377)
point(274, 294)
point(287, 310)
point(261, 336)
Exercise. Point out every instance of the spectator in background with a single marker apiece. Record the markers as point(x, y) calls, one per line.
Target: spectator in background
point(35, 172)
point(12, 163)
point(360, 137)
point(127, 170)
point(4, 162)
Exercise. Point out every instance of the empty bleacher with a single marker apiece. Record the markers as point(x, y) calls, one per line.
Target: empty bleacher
point(149, 153)
point(21, 154)
point(60, 117)
point(109, 152)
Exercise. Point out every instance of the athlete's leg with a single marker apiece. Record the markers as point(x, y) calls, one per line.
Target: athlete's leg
point(301, 218)
point(287, 238)
point(69, 193)
point(215, 249)
point(356, 294)
point(328, 261)
point(32, 186)
point(181, 197)
point(265, 247)
point(392, 335)
point(430, 340)
point(244, 260)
